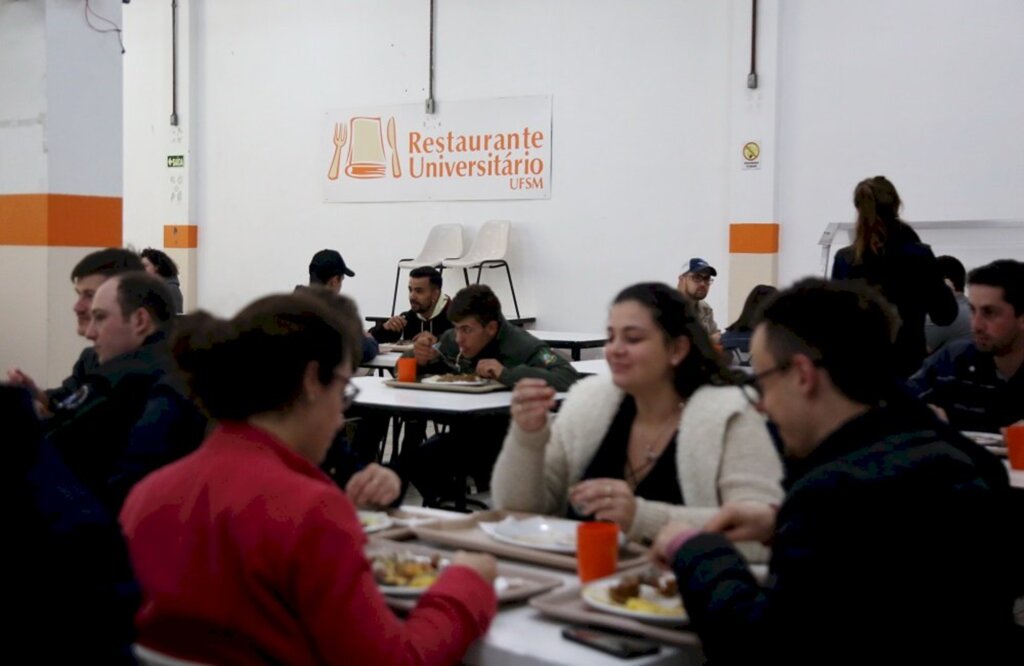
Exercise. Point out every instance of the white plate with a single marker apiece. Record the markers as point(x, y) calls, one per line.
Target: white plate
point(396, 347)
point(436, 379)
point(984, 438)
point(550, 534)
point(406, 590)
point(595, 595)
point(374, 521)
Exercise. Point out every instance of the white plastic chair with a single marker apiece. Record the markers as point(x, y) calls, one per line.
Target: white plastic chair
point(443, 242)
point(488, 251)
point(150, 657)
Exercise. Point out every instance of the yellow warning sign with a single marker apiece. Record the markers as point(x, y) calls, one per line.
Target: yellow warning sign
point(751, 151)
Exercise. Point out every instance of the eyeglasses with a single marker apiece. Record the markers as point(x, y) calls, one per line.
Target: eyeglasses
point(751, 386)
point(348, 396)
point(701, 279)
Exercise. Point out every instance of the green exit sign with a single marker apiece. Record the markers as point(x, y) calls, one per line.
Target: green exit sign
point(175, 160)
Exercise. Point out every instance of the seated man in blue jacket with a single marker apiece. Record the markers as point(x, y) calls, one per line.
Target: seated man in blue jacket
point(978, 384)
point(895, 543)
point(129, 416)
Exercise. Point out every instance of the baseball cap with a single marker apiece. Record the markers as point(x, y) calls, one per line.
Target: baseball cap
point(328, 263)
point(698, 265)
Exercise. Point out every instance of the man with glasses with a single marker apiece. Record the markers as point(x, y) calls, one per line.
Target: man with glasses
point(694, 283)
point(895, 542)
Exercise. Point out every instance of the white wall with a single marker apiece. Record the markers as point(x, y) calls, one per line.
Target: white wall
point(648, 75)
point(923, 91)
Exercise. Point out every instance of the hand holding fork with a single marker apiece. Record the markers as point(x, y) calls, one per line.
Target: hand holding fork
point(340, 137)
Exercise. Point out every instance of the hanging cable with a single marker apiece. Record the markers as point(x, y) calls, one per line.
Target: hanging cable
point(430, 82)
point(174, 63)
point(752, 76)
point(115, 28)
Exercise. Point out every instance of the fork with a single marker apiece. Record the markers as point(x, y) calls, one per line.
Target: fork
point(455, 364)
point(340, 137)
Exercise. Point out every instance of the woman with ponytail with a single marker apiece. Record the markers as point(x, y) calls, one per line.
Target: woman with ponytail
point(245, 551)
point(665, 436)
point(889, 256)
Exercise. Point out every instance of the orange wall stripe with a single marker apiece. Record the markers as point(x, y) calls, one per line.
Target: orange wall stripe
point(181, 235)
point(60, 220)
point(760, 238)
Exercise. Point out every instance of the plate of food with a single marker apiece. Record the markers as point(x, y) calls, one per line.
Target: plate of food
point(374, 521)
point(984, 438)
point(406, 574)
point(649, 597)
point(454, 379)
point(400, 346)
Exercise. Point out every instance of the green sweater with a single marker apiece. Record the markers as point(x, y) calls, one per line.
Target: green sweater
point(522, 355)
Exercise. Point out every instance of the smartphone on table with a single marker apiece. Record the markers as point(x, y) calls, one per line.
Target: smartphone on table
point(625, 647)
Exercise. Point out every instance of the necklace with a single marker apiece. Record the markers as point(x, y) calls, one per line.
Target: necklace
point(652, 451)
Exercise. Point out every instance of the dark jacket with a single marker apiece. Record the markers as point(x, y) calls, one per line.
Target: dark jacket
point(893, 546)
point(71, 583)
point(178, 301)
point(414, 325)
point(963, 381)
point(909, 278)
point(522, 355)
point(125, 421)
point(86, 363)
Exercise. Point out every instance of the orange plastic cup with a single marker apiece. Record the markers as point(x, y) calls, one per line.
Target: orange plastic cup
point(406, 369)
point(597, 550)
point(1014, 437)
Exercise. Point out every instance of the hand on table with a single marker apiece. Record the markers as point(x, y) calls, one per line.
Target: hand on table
point(483, 564)
point(744, 521)
point(374, 486)
point(659, 553)
point(605, 499)
point(489, 368)
point(532, 399)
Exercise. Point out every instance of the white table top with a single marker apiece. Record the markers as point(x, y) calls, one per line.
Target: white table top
point(387, 360)
point(597, 366)
point(568, 336)
point(373, 392)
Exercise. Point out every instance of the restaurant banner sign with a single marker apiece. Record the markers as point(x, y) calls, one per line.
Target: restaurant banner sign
point(482, 149)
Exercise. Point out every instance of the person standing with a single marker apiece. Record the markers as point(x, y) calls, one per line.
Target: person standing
point(889, 256)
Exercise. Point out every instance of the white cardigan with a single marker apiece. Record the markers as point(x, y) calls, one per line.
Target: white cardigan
point(723, 453)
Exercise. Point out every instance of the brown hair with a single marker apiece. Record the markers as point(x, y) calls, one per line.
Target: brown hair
point(878, 216)
point(256, 361)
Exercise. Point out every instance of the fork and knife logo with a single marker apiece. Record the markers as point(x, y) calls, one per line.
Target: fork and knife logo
point(365, 157)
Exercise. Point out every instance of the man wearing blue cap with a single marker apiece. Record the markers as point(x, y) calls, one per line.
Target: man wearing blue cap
point(694, 283)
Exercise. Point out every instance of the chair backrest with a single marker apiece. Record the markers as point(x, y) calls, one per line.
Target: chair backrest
point(491, 242)
point(443, 242)
point(150, 657)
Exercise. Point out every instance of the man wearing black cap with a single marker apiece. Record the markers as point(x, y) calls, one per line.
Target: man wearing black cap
point(694, 283)
point(328, 269)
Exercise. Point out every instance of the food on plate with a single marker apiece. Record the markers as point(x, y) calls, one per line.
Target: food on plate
point(630, 593)
point(371, 519)
point(451, 377)
point(406, 569)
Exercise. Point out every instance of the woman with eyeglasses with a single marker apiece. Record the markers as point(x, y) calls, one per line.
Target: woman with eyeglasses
point(245, 551)
point(664, 437)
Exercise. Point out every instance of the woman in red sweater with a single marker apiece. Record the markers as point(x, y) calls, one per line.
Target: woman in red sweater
point(245, 551)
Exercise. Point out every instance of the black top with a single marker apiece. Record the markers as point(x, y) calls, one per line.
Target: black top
point(908, 276)
point(660, 485)
point(894, 531)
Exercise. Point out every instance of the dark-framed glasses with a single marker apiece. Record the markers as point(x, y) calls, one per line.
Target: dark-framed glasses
point(751, 385)
point(348, 395)
point(700, 278)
